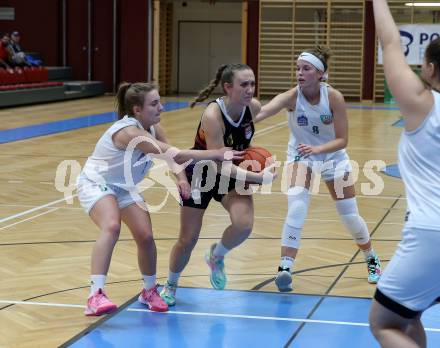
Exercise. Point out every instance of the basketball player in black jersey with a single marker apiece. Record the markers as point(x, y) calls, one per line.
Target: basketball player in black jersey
point(227, 121)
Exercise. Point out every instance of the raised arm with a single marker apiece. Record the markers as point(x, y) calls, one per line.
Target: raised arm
point(143, 141)
point(413, 98)
point(281, 101)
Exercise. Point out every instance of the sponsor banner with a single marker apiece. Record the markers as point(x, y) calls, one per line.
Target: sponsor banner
point(414, 39)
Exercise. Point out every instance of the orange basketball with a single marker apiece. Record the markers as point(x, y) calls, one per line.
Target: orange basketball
point(255, 159)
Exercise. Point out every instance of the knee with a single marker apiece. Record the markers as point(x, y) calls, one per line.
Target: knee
point(188, 241)
point(113, 228)
point(298, 206)
point(145, 240)
point(243, 224)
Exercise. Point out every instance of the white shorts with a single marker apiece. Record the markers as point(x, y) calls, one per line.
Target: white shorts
point(90, 192)
point(329, 170)
point(411, 281)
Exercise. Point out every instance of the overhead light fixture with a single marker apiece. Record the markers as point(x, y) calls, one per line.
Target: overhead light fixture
point(423, 4)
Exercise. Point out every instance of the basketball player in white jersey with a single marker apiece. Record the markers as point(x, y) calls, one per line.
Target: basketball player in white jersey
point(411, 281)
point(107, 188)
point(317, 120)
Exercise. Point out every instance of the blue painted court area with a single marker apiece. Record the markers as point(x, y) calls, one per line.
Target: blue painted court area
point(212, 318)
point(37, 130)
point(373, 107)
point(393, 170)
point(21, 133)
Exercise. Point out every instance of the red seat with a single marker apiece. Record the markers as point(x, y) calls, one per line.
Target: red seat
point(19, 75)
point(3, 76)
point(10, 77)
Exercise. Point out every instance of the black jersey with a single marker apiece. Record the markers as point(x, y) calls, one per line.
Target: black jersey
point(238, 135)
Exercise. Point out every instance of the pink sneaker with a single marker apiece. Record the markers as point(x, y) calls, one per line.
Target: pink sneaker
point(152, 299)
point(99, 304)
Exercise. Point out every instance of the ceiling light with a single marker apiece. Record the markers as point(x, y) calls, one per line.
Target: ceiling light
point(423, 4)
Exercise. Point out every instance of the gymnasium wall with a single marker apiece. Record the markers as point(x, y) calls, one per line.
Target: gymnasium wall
point(41, 22)
point(287, 27)
point(39, 25)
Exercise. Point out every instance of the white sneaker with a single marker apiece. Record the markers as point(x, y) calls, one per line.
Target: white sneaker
point(283, 280)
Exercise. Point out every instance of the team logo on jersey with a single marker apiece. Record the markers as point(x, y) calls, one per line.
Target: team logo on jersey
point(326, 119)
point(229, 140)
point(248, 132)
point(302, 121)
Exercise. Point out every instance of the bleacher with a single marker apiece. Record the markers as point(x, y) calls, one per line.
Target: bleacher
point(29, 85)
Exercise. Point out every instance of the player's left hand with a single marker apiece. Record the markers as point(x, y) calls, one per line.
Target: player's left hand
point(306, 150)
point(184, 189)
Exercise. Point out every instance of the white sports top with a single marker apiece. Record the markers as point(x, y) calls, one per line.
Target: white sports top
point(419, 164)
point(312, 124)
point(106, 164)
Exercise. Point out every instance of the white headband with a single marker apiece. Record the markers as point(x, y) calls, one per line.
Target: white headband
point(312, 59)
point(315, 61)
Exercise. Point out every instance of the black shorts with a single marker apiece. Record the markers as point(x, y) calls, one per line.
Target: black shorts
point(220, 187)
point(396, 307)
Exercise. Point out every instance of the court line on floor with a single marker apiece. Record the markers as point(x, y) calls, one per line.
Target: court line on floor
point(14, 216)
point(213, 238)
point(255, 317)
point(29, 218)
point(49, 304)
point(206, 314)
point(259, 217)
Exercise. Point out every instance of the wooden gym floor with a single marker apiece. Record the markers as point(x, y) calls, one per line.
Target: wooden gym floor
point(45, 243)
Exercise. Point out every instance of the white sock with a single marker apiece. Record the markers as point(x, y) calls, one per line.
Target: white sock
point(286, 262)
point(173, 278)
point(368, 253)
point(97, 281)
point(149, 281)
point(220, 250)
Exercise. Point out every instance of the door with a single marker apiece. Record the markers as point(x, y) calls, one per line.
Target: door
point(90, 40)
point(77, 38)
point(203, 47)
point(193, 66)
point(225, 47)
point(103, 42)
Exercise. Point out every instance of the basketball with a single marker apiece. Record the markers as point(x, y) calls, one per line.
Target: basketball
point(255, 159)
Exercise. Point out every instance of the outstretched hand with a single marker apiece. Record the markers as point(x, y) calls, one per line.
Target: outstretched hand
point(184, 189)
point(305, 150)
point(269, 173)
point(228, 154)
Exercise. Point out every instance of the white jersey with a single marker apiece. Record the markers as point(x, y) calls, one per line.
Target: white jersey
point(419, 164)
point(106, 164)
point(312, 125)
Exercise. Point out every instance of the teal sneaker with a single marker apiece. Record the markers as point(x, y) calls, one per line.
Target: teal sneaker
point(283, 280)
point(217, 266)
point(168, 293)
point(374, 269)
